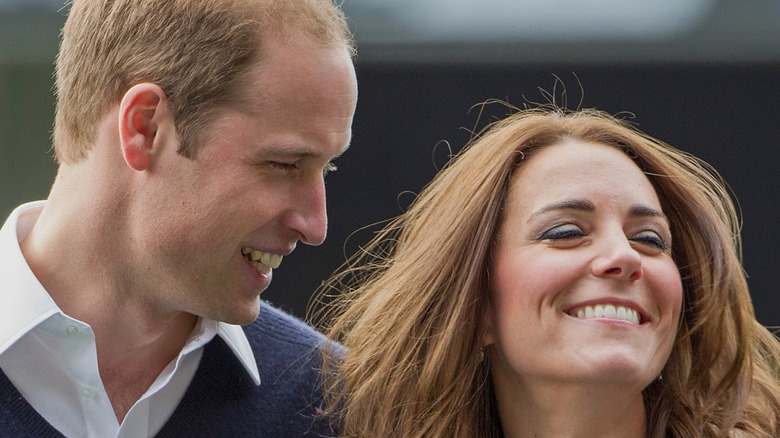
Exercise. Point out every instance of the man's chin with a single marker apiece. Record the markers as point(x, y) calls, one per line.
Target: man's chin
point(245, 315)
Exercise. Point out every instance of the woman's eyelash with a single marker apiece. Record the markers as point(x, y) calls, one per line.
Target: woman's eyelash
point(651, 238)
point(570, 231)
point(562, 232)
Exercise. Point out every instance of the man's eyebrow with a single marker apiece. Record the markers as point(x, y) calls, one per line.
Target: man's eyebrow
point(571, 204)
point(290, 152)
point(286, 151)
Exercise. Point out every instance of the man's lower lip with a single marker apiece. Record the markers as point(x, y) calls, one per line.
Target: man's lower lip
point(261, 281)
point(264, 284)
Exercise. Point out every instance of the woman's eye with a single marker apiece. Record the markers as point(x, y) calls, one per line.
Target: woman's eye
point(651, 238)
point(562, 232)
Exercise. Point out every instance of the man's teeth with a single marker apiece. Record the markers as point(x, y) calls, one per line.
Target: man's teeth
point(263, 261)
point(607, 311)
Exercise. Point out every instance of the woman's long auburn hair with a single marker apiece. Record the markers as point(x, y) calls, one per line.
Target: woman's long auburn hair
point(411, 305)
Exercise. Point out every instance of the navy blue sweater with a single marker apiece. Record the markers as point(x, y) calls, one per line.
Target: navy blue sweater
point(222, 400)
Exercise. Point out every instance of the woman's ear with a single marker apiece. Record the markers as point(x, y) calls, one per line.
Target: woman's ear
point(141, 112)
point(489, 337)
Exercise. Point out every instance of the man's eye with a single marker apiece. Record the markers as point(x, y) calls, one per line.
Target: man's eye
point(562, 232)
point(282, 166)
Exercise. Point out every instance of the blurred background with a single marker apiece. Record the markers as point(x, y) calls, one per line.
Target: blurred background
point(702, 75)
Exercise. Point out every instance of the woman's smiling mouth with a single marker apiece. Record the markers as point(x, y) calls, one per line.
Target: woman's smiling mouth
point(607, 311)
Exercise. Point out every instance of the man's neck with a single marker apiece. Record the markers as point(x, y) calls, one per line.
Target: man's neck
point(79, 261)
point(130, 362)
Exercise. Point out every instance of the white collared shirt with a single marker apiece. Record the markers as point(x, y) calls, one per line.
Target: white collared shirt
point(51, 358)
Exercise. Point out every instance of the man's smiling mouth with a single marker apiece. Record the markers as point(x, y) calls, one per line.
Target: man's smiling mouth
point(262, 261)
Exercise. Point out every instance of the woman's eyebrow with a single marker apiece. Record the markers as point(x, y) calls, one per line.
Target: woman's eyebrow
point(637, 210)
point(569, 204)
point(645, 211)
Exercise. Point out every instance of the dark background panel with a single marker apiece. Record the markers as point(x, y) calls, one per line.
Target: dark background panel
point(723, 113)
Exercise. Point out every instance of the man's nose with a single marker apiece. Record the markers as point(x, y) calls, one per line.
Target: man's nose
point(308, 217)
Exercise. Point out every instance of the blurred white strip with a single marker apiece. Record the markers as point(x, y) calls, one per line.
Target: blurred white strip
point(427, 21)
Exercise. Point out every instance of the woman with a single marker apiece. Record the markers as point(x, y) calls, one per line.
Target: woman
point(564, 275)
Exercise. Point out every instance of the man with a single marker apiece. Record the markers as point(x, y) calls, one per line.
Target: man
point(193, 138)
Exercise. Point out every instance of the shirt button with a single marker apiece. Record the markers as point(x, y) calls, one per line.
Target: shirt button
point(72, 330)
point(88, 393)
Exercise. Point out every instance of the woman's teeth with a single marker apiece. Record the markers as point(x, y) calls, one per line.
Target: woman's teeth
point(607, 311)
point(262, 261)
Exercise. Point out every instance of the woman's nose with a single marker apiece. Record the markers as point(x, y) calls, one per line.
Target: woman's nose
point(617, 259)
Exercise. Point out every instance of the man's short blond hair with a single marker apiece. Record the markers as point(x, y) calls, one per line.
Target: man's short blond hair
point(195, 50)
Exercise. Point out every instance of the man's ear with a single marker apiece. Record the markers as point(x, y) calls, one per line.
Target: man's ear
point(141, 112)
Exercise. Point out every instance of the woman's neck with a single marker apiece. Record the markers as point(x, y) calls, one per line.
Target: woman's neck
point(570, 410)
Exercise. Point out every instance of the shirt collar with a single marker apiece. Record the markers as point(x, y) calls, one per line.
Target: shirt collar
point(234, 337)
point(24, 303)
